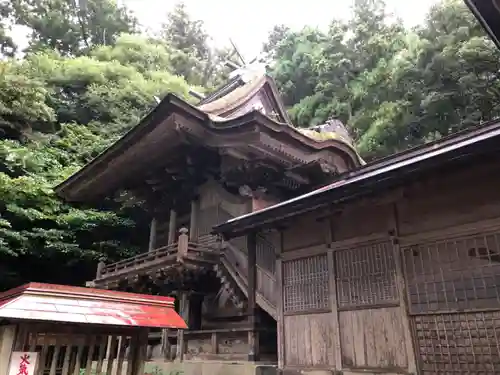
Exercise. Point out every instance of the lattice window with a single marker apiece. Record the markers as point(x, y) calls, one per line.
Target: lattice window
point(458, 343)
point(366, 276)
point(453, 274)
point(265, 251)
point(305, 284)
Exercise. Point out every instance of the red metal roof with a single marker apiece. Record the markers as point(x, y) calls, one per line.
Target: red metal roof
point(61, 303)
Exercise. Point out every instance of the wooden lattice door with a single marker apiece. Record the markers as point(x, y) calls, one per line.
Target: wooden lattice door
point(69, 352)
point(453, 288)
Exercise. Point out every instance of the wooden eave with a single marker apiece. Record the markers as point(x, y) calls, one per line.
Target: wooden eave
point(487, 13)
point(467, 146)
point(277, 99)
point(170, 124)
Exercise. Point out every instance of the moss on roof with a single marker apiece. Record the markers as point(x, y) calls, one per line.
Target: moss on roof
point(323, 136)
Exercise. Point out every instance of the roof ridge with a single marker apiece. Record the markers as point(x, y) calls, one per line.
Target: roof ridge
point(86, 293)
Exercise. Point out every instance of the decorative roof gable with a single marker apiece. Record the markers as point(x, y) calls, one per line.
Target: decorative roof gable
point(243, 95)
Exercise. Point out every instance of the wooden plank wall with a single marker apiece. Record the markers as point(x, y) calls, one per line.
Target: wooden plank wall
point(308, 340)
point(449, 201)
point(366, 325)
point(212, 194)
point(350, 318)
point(373, 338)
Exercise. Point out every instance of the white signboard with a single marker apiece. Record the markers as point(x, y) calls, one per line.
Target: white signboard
point(23, 363)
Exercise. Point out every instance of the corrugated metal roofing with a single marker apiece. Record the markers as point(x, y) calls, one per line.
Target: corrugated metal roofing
point(68, 304)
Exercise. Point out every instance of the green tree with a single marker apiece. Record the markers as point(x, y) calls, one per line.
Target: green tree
point(185, 34)
point(68, 28)
point(395, 88)
point(61, 112)
point(191, 55)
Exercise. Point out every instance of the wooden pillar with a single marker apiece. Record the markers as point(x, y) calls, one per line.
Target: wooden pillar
point(182, 244)
point(172, 227)
point(166, 350)
point(140, 352)
point(7, 341)
point(184, 313)
point(100, 268)
point(165, 345)
point(253, 337)
point(193, 222)
point(152, 235)
point(337, 349)
point(280, 322)
point(403, 303)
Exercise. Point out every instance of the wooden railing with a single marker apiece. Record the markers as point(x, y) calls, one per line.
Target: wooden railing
point(235, 252)
point(266, 281)
point(265, 251)
point(181, 251)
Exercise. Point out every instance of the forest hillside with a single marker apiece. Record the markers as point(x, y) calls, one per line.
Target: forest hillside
point(89, 74)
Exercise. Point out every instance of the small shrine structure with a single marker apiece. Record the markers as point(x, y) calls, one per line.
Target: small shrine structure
point(50, 329)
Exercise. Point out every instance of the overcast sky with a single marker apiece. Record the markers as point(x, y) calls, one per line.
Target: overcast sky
point(248, 22)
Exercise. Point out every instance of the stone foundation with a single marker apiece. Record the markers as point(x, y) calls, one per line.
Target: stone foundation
point(207, 368)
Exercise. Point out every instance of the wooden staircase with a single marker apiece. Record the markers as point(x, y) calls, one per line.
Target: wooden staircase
point(232, 268)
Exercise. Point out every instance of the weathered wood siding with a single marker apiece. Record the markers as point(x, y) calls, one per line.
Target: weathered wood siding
point(453, 289)
point(309, 341)
point(306, 231)
point(305, 312)
point(356, 298)
point(359, 221)
point(434, 244)
point(374, 330)
point(212, 194)
point(373, 338)
point(223, 345)
point(449, 200)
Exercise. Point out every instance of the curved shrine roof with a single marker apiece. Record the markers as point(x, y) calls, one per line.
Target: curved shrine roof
point(219, 119)
point(219, 107)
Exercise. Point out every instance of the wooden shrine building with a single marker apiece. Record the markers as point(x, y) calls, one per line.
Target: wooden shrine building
point(394, 268)
point(194, 167)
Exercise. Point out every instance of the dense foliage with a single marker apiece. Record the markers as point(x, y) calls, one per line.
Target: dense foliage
point(88, 75)
point(394, 87)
